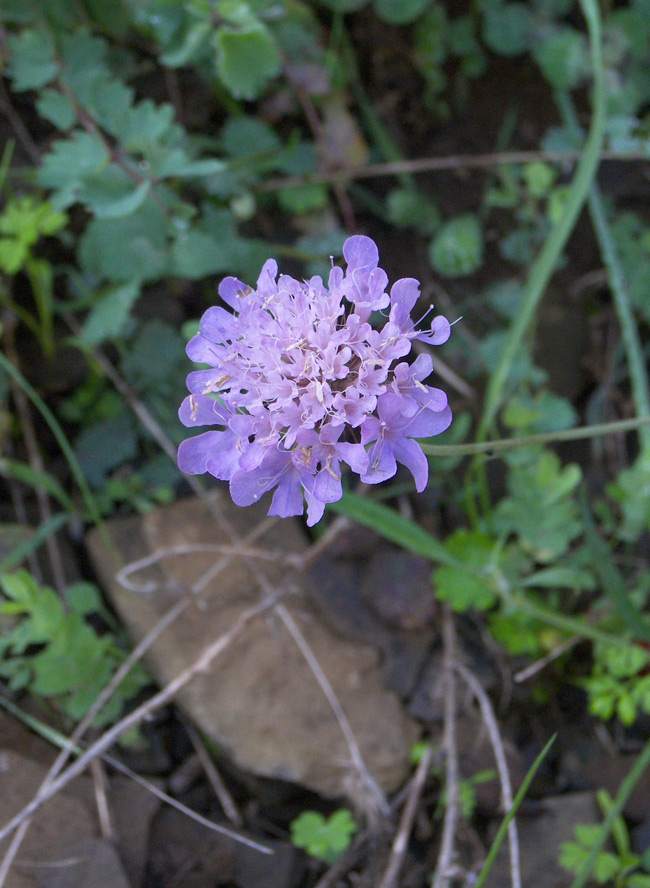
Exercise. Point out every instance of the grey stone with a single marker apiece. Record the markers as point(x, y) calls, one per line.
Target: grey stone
point(93, 863)
point(61, 820)
point(540, 838)
point(259, 701)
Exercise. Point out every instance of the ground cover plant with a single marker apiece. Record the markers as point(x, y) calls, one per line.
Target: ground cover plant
point(262, 203)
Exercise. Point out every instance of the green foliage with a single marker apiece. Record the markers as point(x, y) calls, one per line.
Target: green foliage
point(620, 868)
point(619, 684)
point(632, 491)
point(457, 248)
point(324, 838)
point(53, 650)
point(507, 27)
point(469, 585)
point(247, 58)
point(563, 58)
point(540, 510)
point(23, 222)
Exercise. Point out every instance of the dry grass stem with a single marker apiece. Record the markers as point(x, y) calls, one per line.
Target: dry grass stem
point(12, 850)
point(538, 665)
point(400, 843)
point(122, 576)
point(372, 797)
point(489, 718)
point(101, 801)
point(220, 790)
point(437, 164)
point(445, 857)
point(137, 716)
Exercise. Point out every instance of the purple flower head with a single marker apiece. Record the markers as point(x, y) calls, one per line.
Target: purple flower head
point(299, 384)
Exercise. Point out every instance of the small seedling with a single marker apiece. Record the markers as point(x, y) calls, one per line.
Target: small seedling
point(323, 838)
point(620, 868)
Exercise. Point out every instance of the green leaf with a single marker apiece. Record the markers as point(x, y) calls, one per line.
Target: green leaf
point(555, 577)
point(23, 222)
point(69, 162)
point(32, 61)
point(105, 445)
point(408, 208)
point(246, 59)
point(303, 198)
point(22, 550)
point(84, 598)
point(539, 178)
point(108, 317)
point(507, 28)
point(457, 248)
point(344, 5)
point(563, 58)
point(113, 193)
point(539, 509)
point(400, 12)
point(462, 587)
point(391, 525)
point(632, 491)
point(131, 248)
point(196, 253)
point(325, 839)
point(190, 46)
point(56, 107)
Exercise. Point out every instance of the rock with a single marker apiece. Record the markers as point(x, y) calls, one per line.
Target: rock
point(93, 863)
point(204, 857)
point(259, 701)
point(540, 838)
point(132, 809)
point(62, 820)
point(397, 586)
point(601, 769)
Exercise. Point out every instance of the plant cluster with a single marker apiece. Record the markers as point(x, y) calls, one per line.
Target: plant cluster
point(160, 147)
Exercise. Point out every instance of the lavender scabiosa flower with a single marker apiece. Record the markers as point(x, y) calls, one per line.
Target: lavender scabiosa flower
point(299, 382)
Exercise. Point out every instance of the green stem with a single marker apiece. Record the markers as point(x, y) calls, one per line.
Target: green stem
point(501, 444)
point(518, 799)
point(625, 791)
point(547, 260)
point(618, 286)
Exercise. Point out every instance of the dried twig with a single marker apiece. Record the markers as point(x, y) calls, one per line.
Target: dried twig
point(400, 843)
point(538, 665)
point(220, 790)
point(444, 864)
point(492, 727)
point(372, 794)
point(12, 850)
point(103, 811)
point(439, 164)
point(138, 715)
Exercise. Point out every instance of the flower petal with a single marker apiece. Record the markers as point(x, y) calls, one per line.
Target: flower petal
point(410, 454)
point(194, 453)
point(360, 252)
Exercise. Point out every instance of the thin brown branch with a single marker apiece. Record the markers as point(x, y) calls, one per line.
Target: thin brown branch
point(400, 843)
point(371, 794)
point(440, 164)
point(443, 870)
point(22, 133)
point(214, 777)
point(101, 800)
point(142, 712)
point(492, 727)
